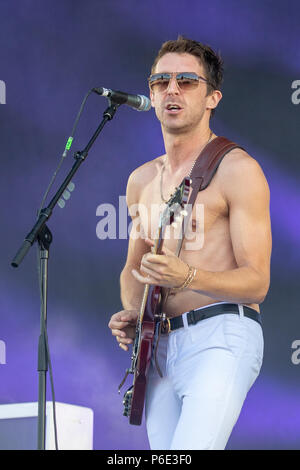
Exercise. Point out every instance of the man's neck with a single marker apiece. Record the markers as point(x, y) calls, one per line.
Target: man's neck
point(182, 149)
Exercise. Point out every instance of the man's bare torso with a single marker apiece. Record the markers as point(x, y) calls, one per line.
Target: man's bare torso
point(208, 246)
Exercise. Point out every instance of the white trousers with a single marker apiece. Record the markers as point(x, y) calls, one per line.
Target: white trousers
point(207, 369)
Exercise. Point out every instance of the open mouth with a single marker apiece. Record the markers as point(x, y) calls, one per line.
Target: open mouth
point(173, 108)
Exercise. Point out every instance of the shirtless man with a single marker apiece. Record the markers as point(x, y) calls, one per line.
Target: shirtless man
point(208, 367)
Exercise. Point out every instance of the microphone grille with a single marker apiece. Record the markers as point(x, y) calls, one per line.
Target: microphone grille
point(145, 104)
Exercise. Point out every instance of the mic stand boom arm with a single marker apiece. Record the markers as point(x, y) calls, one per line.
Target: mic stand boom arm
point(45, 213)
point(42, 234)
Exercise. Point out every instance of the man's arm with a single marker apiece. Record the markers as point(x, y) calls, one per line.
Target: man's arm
point(247, 192)
point(131, 289)
point(122, 324)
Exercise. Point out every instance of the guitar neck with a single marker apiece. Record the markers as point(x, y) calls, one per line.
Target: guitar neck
point(155, 250)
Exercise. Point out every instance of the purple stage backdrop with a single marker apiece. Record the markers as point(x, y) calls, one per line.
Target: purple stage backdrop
point(52, 52)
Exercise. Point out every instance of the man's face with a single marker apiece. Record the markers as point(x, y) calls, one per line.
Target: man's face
point(192, 103)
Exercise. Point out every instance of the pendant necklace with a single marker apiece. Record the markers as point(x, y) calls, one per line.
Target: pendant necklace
point(190, 172)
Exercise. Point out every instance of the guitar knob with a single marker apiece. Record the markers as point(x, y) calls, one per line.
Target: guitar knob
point(184, 213)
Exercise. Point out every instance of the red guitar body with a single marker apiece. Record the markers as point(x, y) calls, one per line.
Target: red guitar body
point(143, 364)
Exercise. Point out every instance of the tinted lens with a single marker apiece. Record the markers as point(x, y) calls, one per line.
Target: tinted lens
point(160, 81)
point(187, 80)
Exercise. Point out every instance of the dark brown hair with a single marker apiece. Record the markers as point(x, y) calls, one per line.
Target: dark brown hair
point(211, 61)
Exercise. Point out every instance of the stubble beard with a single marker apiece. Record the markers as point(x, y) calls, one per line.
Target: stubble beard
point(183, 126)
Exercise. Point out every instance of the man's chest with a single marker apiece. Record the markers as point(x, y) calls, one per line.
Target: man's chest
point(209, 211)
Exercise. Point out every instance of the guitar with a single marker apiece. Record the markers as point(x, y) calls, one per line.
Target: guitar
point(149, 314)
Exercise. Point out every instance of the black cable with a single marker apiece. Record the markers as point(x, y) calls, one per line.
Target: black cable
point(67, 148)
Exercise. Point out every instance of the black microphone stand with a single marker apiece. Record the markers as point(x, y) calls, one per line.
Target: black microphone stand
point(42, 234)
point(44, 239)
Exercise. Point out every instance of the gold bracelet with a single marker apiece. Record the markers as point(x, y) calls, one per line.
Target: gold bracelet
point(190, 277)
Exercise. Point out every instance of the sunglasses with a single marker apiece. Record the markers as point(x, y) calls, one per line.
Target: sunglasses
point(185, 80)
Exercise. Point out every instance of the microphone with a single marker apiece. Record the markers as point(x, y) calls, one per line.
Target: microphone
point(138, 102)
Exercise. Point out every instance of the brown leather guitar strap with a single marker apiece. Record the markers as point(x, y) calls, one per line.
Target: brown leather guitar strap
point(202, 173)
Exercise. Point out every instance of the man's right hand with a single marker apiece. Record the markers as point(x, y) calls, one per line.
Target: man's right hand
point(122, 325)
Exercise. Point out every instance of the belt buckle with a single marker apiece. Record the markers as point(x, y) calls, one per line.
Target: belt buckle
point(165, 324)
point(191, 316)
